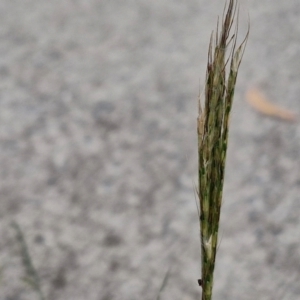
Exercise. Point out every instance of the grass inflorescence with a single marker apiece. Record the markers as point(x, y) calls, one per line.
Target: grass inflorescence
point(213, 124)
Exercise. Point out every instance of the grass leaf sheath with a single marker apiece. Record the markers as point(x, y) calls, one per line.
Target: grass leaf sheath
point(213, 123)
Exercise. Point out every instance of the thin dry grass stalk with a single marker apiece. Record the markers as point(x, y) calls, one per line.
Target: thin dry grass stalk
point(261, 104)
point(31, 276)
point(213, 123)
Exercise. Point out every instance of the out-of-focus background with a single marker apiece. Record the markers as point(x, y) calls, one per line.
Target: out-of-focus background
point(98, 161)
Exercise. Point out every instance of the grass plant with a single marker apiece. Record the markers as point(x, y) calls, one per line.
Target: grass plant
point(212, 128)
point(213, 125)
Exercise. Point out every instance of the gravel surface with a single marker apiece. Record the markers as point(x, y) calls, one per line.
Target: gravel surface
point(98, 158)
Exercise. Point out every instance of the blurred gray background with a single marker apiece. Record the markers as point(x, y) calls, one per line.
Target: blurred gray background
point(98, 161)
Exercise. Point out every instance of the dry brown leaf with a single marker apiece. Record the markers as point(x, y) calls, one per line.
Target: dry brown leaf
point(258, 101)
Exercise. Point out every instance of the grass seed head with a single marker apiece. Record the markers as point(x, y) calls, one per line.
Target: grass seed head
point(213, 125)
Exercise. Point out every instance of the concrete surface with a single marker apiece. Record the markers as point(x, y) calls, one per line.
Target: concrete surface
point(98, 150)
